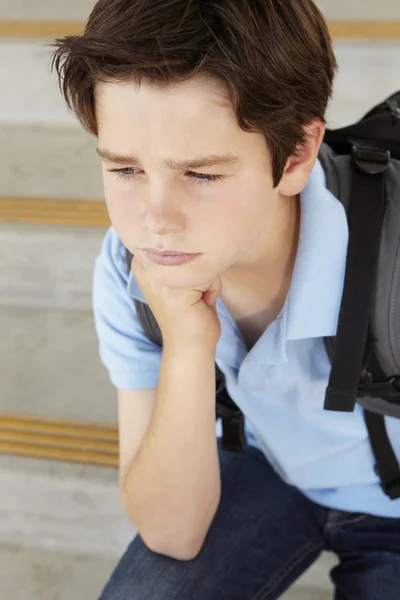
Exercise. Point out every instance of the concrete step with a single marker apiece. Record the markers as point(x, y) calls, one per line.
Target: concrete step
point(367, 75)
point(40, 574)
point(359, 9)
point(62, 529)
point(73, 10)
point(47, 266)
point(59, 161)
point(76, 508)
point(34, 95)
point(49, 366)
point(80, 9)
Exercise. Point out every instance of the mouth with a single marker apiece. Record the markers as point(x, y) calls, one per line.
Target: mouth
point(169, 260)
point(168, 252)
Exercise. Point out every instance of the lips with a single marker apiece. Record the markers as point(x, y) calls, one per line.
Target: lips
point(170, 260)
point(168, 252)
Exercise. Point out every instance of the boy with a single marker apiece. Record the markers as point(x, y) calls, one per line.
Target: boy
point(209, 117)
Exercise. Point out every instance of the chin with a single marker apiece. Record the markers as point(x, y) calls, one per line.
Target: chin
point(180, 278)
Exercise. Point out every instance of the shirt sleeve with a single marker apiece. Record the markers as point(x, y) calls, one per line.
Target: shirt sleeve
point(132, 360)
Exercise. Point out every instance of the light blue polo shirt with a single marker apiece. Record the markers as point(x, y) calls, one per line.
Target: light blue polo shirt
point(280, 384)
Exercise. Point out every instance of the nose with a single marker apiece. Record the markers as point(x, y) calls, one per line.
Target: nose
point(162, 213)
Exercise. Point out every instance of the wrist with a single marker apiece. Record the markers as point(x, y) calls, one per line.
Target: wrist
point(183, 351)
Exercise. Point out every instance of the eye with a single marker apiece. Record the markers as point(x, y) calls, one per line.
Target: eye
point(128, 173)
point(199, 178)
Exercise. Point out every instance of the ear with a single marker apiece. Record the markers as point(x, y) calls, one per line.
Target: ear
point(298, 168)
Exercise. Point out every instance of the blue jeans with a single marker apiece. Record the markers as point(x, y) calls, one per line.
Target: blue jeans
point(264, 535)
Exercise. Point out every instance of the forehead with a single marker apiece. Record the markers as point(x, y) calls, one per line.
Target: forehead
point(187, 119)
point(196, 103)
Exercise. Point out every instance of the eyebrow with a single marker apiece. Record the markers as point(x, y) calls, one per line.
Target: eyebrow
point(210, 160)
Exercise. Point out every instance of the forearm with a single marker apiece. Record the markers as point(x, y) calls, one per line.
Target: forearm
point(172, 487)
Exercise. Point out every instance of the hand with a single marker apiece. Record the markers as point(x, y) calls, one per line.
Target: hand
point(185, 317)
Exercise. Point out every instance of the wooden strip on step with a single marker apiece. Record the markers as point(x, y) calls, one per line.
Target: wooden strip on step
point(47, 211)
point(339, 29)
point(365, 30)
point(61, 454)
point(40, 29)
point(59, 439)
point(44, 425)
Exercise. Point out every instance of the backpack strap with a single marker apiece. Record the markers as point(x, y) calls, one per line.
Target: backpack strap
point(365, 225)
point(387, 466)
point(233, 434)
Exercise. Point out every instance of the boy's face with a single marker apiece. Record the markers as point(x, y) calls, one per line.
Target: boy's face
point(151, 205)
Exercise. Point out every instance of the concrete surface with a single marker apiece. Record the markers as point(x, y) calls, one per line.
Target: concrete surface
point(48, 266)
point(61, 507)
point(80, 9)
point(36, 574)
point(62, 529)
point(359, 9)
point(49, 366)
point(56, 161)
point(73, 10)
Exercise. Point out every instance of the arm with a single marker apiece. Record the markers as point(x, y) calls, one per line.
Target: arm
point(170, 477)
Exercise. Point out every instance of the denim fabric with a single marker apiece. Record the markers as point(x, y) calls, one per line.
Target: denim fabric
point(264, 535)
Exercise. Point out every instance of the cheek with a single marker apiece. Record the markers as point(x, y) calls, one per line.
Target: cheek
point(121, 204)
point(123, 213)
point(247, 207)
point(244, 217)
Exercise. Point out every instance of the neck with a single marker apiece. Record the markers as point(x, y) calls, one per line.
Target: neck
point(271, 273)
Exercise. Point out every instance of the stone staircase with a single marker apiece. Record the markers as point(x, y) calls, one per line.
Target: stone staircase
point(62, 525)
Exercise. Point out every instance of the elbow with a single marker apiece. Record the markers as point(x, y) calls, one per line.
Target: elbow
point(179, 549)
point(175, 550)
point(182, 549)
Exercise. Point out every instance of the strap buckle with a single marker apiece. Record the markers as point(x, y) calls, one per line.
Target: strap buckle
point(370, 160)
point(387, 390)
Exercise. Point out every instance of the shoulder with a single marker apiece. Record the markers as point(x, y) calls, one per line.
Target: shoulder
point(111, 262)
point(131, 358)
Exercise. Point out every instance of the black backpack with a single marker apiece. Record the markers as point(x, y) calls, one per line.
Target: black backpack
point(362, 168)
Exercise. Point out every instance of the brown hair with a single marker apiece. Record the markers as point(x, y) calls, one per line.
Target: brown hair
point(275, 58)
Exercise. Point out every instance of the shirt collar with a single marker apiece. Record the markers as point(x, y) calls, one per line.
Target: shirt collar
point(315, 293)
point(134, 289)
